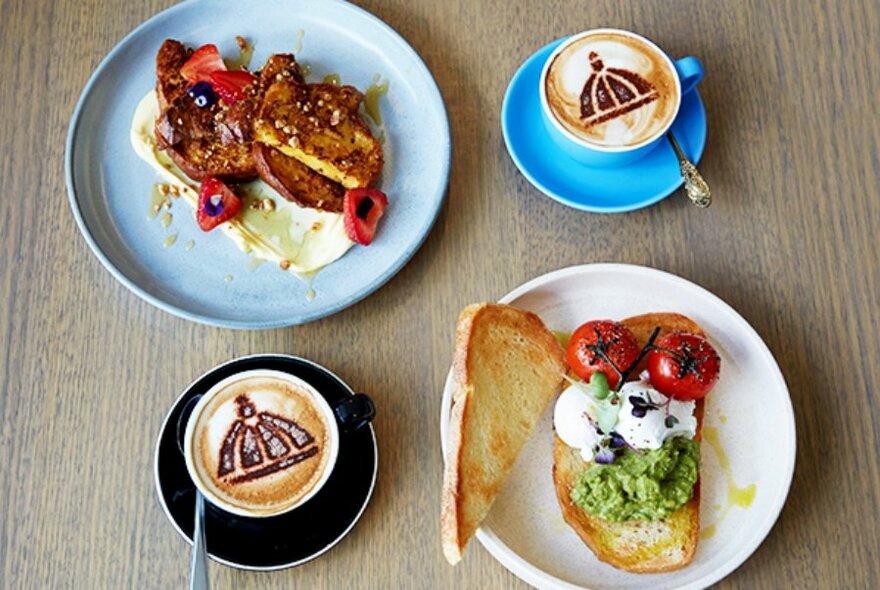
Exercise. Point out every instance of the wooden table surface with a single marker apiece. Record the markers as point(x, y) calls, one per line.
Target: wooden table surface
point(88, 370)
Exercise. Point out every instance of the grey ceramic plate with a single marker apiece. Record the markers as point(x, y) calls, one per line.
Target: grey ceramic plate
point(109, 185)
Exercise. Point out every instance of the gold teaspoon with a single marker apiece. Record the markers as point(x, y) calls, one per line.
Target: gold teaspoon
point(697, 189)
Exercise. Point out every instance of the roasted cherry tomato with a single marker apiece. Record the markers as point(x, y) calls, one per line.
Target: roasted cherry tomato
point(602, 345)
point(361, 211)
point(683, 366)
point(217, 203)
point(230, 85)
point(201, 64)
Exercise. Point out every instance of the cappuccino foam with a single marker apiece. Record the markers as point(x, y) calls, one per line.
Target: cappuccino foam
point(611, 89)
point(261, 444)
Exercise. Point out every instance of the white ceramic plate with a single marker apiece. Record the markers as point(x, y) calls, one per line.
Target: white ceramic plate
point(749, 406)
point(109, 185)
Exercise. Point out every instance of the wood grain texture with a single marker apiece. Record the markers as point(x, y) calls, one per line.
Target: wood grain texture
point(87, 370)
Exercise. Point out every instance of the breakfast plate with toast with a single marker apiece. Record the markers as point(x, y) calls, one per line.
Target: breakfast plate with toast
point(257, 165)
point(613, 426)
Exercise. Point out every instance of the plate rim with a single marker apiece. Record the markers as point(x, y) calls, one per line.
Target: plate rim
point(288, 320)
point(562, 199)
point(531, 574)
point(157, 484)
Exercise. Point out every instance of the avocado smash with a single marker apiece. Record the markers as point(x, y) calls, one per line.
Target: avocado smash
point(647, 486)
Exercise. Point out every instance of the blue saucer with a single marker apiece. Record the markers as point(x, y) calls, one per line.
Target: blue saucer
point(600, 190)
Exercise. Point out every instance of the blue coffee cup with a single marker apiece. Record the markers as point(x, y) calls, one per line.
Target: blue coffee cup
point(688, 73)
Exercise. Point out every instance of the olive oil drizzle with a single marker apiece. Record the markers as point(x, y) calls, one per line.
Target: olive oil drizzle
point(741, 497)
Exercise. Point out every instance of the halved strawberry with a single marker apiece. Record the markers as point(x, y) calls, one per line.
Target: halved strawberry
point(230, 85)
point(204, 60)
point(361, 211)
point(217, 203)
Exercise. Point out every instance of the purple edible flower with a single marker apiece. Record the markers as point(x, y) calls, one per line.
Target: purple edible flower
point(214, 205)
point(202, 94)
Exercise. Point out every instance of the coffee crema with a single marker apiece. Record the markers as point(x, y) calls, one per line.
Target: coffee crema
point(261, 444)
point(612, 89)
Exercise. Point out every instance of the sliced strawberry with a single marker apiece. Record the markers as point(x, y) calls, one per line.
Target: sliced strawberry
point(362, 209)
point(204, 60)
point(217, 203)
point(230, 85)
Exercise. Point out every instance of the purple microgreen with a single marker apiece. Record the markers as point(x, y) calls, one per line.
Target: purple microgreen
point(605, 456)
point(646, 405)
point(632, 448)
point(639, 411)
point(670, 421)
point(617, 441)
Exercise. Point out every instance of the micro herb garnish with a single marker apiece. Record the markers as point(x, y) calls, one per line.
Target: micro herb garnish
point(641, 406)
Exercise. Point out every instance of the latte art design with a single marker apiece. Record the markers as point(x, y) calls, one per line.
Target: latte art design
point(260, 443)
point(612, 92)
point(264, 441)
point(611, 89)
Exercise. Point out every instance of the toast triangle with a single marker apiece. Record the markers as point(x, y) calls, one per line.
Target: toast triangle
point(507, 368)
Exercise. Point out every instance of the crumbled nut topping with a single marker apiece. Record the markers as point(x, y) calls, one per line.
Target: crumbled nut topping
point(284, 264)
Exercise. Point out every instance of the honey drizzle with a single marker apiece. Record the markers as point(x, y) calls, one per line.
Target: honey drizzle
point(170, 240)
point(156, 200)
point(374, 92)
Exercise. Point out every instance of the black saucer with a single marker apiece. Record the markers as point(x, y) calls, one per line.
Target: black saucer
point(280, 541)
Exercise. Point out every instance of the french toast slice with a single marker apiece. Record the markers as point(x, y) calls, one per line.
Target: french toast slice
point(297, 182)
point(212, 141)
point(280, 67)
point(319, 125)
point(638, 546)
point(169, 83)
point(291, 178)
point(508, 367)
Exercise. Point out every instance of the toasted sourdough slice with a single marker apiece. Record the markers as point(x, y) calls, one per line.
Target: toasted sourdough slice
point(507, 368)
point(635, 546)
point(319, 125)
point(211, 141)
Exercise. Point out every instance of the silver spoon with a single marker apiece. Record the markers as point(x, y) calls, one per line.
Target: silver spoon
point(694, 185)
point(198, 570)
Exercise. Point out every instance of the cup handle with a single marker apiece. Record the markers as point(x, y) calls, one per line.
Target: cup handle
point(690, 72)
point(354, 412)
